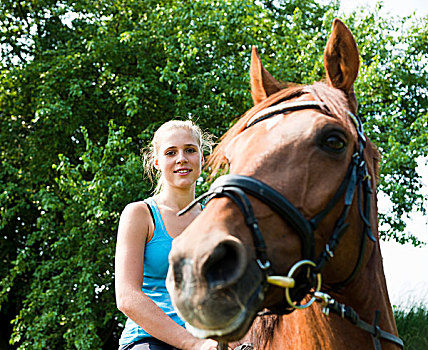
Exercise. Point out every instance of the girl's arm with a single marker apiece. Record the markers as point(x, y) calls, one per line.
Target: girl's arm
point(134, 227)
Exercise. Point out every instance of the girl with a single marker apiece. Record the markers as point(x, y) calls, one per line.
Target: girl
point(146, 230)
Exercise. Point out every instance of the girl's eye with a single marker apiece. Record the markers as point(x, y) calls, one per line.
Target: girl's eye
point(170, 153)
point(191, 150)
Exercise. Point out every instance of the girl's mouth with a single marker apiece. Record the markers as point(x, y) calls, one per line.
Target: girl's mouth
point(183, 171)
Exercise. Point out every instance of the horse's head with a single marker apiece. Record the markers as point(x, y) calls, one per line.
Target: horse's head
point(296, 169)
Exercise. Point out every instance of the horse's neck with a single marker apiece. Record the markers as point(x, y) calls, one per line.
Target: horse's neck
point(369, 290)
point(311, 329)
point(368, 293)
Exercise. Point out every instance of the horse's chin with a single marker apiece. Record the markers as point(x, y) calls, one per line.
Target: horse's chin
point(233, 331)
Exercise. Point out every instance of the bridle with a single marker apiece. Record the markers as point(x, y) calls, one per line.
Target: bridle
point(356, 182)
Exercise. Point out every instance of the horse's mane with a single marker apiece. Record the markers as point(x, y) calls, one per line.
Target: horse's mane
point(334, 99)
point(263, 327)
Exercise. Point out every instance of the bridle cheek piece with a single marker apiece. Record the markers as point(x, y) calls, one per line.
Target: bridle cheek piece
point(357, 180)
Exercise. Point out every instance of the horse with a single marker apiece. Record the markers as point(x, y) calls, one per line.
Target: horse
point(286, 252)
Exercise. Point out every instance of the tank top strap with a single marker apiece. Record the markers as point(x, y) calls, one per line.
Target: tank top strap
point(159, 224)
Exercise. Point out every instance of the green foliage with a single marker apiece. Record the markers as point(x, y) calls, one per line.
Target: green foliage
point(392, 92)
point(71, 301)
point(84, 85)
point(412, 326)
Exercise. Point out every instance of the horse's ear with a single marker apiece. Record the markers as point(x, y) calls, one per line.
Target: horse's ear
point(263, 84)
point(341, 59)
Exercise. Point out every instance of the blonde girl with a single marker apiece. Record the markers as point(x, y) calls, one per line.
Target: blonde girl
point(146, 230)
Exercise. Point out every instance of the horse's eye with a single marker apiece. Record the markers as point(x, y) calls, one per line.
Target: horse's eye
point(334, 143)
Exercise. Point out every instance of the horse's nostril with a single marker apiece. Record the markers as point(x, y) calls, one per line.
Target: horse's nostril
point(177, 269)
point(182, 275)
point(224, 265)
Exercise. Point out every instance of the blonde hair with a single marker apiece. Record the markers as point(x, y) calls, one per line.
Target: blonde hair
point(203, 139)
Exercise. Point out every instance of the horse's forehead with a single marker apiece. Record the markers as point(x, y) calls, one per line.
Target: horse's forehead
point(280, 129)
point(272, 122)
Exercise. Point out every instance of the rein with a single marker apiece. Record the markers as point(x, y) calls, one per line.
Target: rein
point(357, 180)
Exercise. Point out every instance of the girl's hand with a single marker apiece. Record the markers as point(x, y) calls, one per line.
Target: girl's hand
point(208, 344)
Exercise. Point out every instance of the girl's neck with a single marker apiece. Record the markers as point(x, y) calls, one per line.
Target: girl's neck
point(175, 198)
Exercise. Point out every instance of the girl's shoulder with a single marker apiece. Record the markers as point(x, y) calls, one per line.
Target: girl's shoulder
point(137, 212)
point(136, 218)
point(135, 206)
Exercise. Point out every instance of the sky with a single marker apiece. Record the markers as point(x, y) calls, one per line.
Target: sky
point(394, 7)
point(404, 265)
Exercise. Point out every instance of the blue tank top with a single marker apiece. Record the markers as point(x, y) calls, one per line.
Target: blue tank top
point(155, 271)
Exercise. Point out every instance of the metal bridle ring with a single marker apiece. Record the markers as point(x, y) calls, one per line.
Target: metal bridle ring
point(290, 275)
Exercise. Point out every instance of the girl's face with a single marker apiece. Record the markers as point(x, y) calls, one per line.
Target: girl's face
point(179, 158)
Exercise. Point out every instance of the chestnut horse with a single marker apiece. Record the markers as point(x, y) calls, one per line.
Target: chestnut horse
point(294, 221)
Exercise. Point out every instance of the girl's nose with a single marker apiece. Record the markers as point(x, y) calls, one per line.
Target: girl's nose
point(181, 158)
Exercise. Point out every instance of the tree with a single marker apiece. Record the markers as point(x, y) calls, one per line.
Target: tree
point(83, 86)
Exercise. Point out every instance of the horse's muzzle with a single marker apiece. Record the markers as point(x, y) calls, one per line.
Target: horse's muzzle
point(212, 288)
